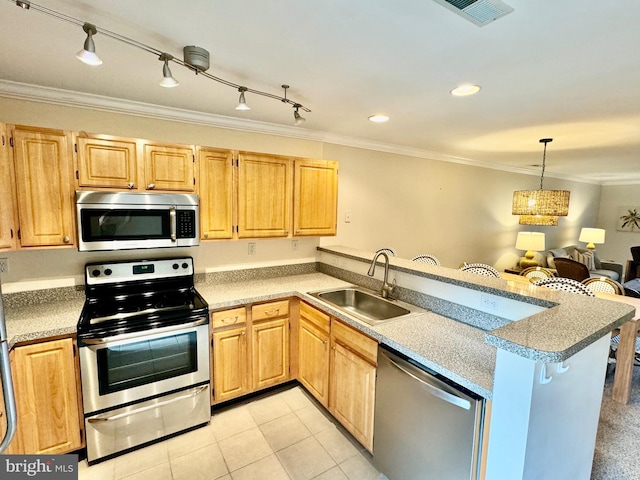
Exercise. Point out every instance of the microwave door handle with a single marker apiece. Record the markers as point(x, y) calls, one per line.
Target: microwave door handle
point(173, 224)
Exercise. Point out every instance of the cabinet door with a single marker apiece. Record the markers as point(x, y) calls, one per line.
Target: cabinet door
point(169, 167)
point(8, 230)
point(46, 398)
point(313, 360)
point(215, 182)
point(230, 360)
point(44, 173)
point(315, 200)
point(270, 352)
point(264, 196)
point(107, 162)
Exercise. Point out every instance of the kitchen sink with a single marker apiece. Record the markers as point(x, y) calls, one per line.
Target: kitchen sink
point(362, 304)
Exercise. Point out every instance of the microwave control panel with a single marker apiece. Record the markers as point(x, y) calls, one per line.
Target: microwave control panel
point(186, 220)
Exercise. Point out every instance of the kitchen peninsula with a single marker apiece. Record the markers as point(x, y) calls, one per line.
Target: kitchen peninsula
point(538, 355)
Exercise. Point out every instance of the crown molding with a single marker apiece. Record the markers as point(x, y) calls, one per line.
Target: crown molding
point(56, 96)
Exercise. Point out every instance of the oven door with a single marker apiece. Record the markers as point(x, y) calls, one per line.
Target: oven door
point(127, 368)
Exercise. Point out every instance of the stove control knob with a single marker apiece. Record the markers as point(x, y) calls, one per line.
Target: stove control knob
point(95, 273)
point(176, 266)
point(185, 265)
point(108, 271)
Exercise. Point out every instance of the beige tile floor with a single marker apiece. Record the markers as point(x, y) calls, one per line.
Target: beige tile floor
point(282, 436)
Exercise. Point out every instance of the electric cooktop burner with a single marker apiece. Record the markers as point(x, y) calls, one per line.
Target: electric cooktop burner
point(123, 297)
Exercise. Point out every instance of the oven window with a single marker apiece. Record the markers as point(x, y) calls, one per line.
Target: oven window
point(147, 361)
point(103, 224)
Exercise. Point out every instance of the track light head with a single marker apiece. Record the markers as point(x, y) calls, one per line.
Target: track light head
point(242, 104)
point(88, 53)
point(297, 118)
point(167, 79)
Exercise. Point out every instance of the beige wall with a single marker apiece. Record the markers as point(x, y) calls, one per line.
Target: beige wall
point(617, 243)
point(457, 212)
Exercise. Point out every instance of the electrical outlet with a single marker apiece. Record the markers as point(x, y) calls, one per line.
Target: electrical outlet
point(4, 265)
point(347, 217)
point(294, 245)
point(489, 302)
point(252, 248)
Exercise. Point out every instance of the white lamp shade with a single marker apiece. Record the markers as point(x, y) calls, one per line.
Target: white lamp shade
point(592, 235)
point(530, 241)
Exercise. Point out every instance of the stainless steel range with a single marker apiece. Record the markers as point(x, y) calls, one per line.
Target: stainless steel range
point(144, 354)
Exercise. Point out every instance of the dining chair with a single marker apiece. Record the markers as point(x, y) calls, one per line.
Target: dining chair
point(604, 285)
point(426, 258)
point(568, 268)
point(536, 273)
point(565, 284)
point(388, 250)
point(480, 269)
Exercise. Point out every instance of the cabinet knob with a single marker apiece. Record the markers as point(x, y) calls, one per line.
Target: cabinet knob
point(243, 332)
point(66, 239)
point(131, 185)
point(151, 186)
point(205, 234)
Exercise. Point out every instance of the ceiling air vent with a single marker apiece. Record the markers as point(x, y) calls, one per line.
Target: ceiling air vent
point(479, 12)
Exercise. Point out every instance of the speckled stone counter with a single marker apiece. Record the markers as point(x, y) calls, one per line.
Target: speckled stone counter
point(459, 351)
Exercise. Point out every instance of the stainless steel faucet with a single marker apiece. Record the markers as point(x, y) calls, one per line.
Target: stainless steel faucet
point(386, 288)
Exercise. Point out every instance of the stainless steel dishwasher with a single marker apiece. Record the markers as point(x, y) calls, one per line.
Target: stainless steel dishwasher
point(426, 427)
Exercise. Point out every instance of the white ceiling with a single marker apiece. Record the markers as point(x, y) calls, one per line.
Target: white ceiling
point(564, 69)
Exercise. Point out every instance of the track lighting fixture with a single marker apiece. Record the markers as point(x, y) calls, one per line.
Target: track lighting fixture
point(242, 103)
point(298, 119)
point(88, 53)
point(167, 79)
point(195, 59)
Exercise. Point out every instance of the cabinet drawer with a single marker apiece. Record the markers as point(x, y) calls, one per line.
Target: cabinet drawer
point(318, 318)
point(269, 310)
point(227, 318)
point(355, 341)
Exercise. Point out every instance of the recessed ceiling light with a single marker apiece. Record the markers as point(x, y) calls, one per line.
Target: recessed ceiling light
point(464, 90)
point(379, 118)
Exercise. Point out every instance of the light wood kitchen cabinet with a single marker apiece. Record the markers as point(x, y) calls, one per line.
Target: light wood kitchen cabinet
point(106, 162)
point(315, 199)
point(353, 376)
point(47, 398)
point(230, 368)
point(270, 343)
point(215, 187)
point(264, 195)
point(313, 352)
point(169, 167)
point(43, 161)
point(8, 228)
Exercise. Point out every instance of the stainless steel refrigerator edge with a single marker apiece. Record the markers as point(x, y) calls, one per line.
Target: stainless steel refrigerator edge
point(7, 383)
point(424, 427)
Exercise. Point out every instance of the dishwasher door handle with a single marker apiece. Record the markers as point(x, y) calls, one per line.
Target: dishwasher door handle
point(434, 390)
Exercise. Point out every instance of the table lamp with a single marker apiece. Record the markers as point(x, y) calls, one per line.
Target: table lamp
point(592, 236)
point(531, 242)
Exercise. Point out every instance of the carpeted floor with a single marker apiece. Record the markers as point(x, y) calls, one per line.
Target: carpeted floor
point(617, 454)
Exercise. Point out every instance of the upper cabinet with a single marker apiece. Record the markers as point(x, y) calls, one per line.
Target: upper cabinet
point(215, 188)
point(126, 163)
point(315, 200)
point(43, 173)
point(107, 162)
point(8, 228)
point(264, 195)
point(169, 167)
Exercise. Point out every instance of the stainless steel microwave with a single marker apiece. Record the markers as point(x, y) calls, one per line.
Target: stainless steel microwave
point(128, 220)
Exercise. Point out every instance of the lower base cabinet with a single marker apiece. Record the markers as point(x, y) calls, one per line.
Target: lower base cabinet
point(353, 360)
point(46, 383)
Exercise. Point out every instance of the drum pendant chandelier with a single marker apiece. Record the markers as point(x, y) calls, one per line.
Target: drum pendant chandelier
point(541, 206)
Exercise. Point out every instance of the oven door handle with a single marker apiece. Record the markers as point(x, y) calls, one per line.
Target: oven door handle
point(193, 393)
point(146, 333)
point(174, 224)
